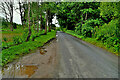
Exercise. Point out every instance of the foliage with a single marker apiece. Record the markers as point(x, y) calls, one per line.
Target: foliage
point(16, 51)
point(5, 39)
point(22, 40)
point(94, 22)
point(70, 14)
point(99, 21)
point(78, 28)
point(109, 9)
point(58, 29)
point(4, 23)
point(112, 44)
point(16, 40)
point(87, 30)
point(108, 30)
point(108, 34)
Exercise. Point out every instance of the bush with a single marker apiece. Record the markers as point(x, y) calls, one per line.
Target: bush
point(16, 40)
point(78, 28)
point(58, 28)
point(108, 34)
point(87, 30)
point(25, 34)
point(107, 30)
point(14, 25)
point(53, 27)
point(94, 22)
point(5, 39)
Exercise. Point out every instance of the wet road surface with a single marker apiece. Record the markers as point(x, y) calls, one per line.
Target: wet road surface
point(40, 63)
point(83, 60)
point(64, 57)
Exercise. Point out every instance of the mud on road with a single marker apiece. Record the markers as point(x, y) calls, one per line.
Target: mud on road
point(39, 64)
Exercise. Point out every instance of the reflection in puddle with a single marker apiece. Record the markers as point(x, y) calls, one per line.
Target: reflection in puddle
point(28, 70)
point(19, 71)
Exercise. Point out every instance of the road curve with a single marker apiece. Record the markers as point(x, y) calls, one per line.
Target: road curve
point(79, 59)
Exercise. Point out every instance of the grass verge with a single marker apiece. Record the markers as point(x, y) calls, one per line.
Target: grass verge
point(14, 52)
point(93, 41)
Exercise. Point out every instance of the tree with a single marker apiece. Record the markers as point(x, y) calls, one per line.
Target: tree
point(41, 13)
point(109, 12)
point(51, 12)
point(46, 16)
point(70, 14)
point(29, 34)
point(22, 9)
point(45, 8)
point(4, 11)
point(7, 8)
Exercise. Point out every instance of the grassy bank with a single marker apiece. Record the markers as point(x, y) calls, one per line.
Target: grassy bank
point(6, 33)
point(14, 52)
point(15, 38)
point(94, 42)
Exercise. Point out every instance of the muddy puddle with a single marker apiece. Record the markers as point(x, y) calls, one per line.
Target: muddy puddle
point(38, 64)
point(19, 70)
point(42, 50)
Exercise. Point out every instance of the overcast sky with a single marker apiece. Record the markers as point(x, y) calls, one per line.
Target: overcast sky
point(16, 16)
point(17, 19)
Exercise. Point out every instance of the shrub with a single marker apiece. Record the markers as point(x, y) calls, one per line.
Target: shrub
point(107, 30)
point(14, 25)
point(94, 22)
point(109, 35)
point(5, 39)
point(87, 30)
point(25, 34)
point(16, 40)
point(78, 28)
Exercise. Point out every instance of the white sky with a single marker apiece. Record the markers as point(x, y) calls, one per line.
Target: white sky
point(17, 19)
point(55, 21)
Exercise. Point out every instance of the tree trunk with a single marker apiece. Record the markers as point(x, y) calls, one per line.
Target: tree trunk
point(24, 19)
point(38, 18)
point(11, 19)
point(33, 21)
point(29, 34)
point(46, 22)
point(11, 16)
point(49, 26)
point(11, 26)
point(21, 14)
point(37, 25)
point(41, 28)
point(49, 30)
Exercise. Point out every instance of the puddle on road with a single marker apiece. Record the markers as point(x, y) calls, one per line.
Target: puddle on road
point(42, 50)
point(28, 70)
point(19, 71)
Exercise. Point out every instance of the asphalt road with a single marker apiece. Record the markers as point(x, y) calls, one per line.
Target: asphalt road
point(66, 57)
point(79, 59)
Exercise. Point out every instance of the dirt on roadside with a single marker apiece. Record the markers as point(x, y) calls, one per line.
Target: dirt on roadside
point(40, 64)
